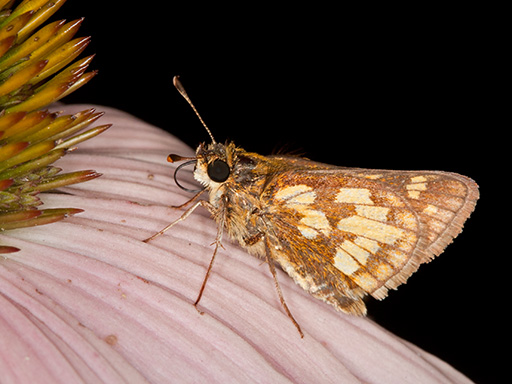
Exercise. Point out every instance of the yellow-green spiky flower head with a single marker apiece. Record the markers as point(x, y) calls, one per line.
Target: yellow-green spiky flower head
point(36, 69)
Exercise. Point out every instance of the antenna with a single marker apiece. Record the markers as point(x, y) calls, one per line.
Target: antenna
point(181, 90)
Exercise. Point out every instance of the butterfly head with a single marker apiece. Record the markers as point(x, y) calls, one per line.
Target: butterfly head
point(218, 164)
point(214, 164)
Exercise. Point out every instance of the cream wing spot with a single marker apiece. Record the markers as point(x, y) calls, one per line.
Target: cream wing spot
point(413, 194)
point(418, 179)
point(303, 198)
point(344, 262)
point(370, 245)
point(371, 229)
point(287, 193)
point(373, 212)
point(430, 210)
point(438, 213)
point(354, 196)
point(299, 198)
point(317, 220)
point(375, 176)
point(416, 187)
point(308, 232)
point(358, 253)
point(388, 198)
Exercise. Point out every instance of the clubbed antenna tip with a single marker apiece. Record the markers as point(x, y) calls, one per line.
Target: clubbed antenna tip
point(181, 90)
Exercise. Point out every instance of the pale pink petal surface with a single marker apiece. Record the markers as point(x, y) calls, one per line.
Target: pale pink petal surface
point(85, 300)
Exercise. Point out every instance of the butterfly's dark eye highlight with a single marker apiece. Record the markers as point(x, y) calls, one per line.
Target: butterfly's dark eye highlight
point(218, 171)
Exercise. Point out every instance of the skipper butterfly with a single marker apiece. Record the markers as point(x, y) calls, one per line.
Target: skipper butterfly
point(340, 233)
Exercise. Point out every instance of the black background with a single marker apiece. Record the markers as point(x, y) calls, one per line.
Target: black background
point(369, 87)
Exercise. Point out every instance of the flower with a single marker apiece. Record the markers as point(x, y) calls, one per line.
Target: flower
point(35, 71)
point(86, 300)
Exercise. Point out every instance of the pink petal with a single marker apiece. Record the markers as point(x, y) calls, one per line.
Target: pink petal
point(86, 300)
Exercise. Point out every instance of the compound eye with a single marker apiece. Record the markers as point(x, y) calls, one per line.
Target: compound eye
point(218, 171)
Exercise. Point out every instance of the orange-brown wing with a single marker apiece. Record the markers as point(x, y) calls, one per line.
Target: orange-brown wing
point(344, 233)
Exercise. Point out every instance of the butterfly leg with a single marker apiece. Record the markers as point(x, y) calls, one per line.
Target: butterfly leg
point(194, 198)
point(181, 218)
point(217, 241)
point(217, 244)
point(272, 268)
point(220, 226)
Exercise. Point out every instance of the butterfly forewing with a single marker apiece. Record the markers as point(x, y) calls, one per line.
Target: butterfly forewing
point(344, 233)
